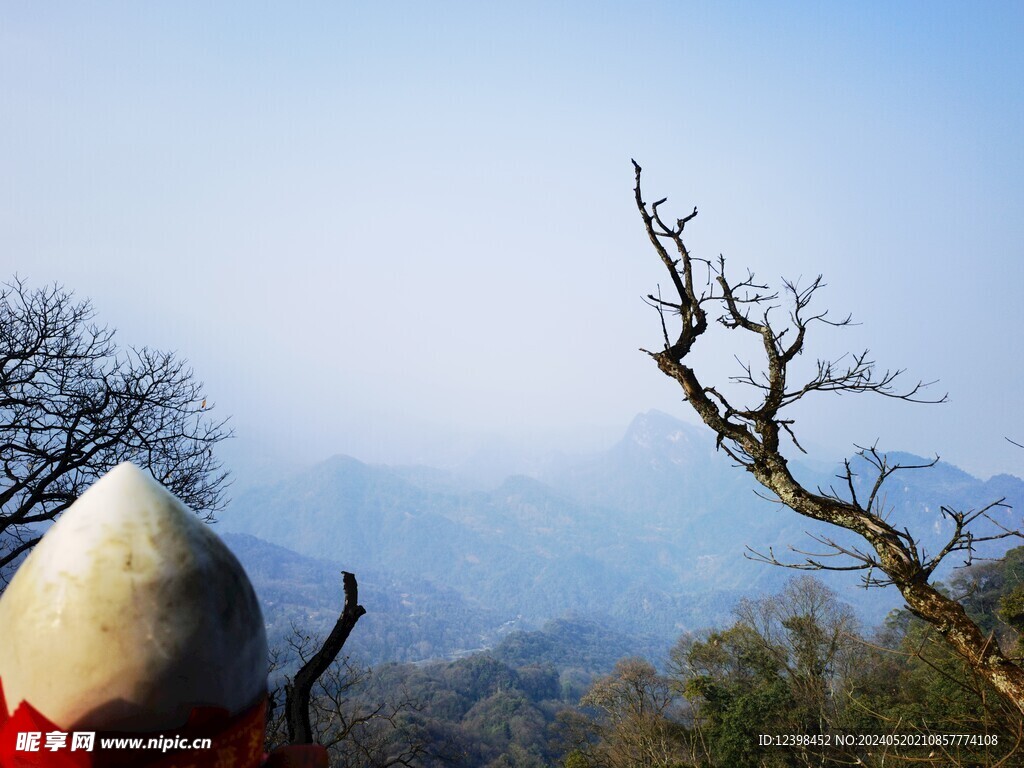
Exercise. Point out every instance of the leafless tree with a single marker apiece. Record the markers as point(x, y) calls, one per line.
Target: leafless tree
point(73, 405)
point(635, 724)
point(751, 434)
point(812, 637)
point(342, 712)
point(360, 733)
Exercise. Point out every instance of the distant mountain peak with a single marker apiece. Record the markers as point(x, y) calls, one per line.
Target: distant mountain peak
point(342, 459)
point(655, 424)
point(659, 433)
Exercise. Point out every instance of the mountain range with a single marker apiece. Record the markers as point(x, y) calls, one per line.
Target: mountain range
point(647, 539)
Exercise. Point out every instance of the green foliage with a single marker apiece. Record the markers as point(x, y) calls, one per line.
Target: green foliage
point(986, 586)
point(735, 688)
point(793, 662)
point(1011, 609)
point(575, 644)
point(778, 669)
point(477, 711)
point(910, 679)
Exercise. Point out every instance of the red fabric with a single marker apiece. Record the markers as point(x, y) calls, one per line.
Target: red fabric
point(237, 742)
point(305, 756)
point(25, 720)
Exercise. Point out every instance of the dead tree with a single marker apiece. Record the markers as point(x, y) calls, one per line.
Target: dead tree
point(751, 434)
point(299, 691)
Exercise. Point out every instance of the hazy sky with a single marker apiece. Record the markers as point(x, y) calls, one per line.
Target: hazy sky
point(376, 227)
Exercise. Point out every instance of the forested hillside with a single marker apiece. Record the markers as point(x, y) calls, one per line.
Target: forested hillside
point(517, 626)
point(796, 662)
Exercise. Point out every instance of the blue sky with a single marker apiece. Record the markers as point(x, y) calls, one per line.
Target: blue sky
point(383, 229)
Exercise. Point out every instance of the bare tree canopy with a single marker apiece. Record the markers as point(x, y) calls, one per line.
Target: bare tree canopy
point(751, 434)
point(73, 405)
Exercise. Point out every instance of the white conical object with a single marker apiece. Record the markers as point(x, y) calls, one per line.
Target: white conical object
point(129, 613)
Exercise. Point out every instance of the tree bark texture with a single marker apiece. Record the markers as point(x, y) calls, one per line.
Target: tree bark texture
point(751, 435)
point(299, 692)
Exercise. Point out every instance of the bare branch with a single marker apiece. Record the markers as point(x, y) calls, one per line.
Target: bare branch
point(965, 540)
point(73, 405)
point(298, 693)
point(751, 437)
